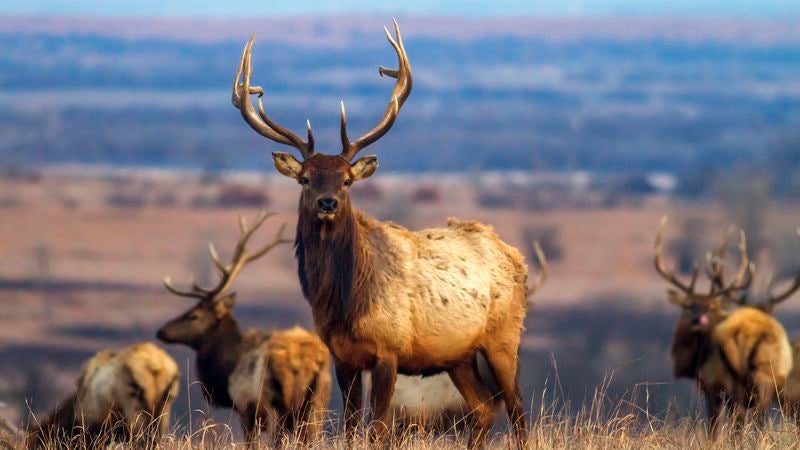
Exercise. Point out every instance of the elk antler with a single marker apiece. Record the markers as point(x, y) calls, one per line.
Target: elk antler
point(669, 275)
point(715, 262)
point(240, 258)
point(744, 276)
point(539, 281)
point(399, 95)
point(265, 126)
point(773, 300)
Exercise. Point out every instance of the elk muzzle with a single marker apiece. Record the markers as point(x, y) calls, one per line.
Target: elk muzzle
point(327, 207)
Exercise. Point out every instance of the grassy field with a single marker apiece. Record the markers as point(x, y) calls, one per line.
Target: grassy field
point(83, 257)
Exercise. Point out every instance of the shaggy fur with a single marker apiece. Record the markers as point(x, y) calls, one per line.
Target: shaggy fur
point(389, 300)
point(277, 381)
point(739, 359)
point(118, 394)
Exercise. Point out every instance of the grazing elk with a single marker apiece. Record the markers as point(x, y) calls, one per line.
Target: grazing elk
point(124, 395)
point(279, 380)
point(739, 357)
point(388, 300)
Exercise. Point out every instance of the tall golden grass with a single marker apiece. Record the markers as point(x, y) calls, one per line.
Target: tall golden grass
point(598, 424)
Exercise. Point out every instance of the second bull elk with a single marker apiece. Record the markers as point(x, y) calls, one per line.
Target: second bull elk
point(790, 394)
point(278, 381)
point(739, 356)
point(389, 300)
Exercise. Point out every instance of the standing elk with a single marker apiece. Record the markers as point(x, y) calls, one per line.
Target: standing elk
point(388, 300)
point(124, 395)
point(280, 380)
point(790, 394)
point(739, 357)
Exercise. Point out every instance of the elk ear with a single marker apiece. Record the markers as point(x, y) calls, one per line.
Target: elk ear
point(364, 167)
point(675, 297)
point(224, 305)
point(286, 164)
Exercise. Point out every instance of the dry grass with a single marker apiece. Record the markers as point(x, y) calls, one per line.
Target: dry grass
point(598, 424)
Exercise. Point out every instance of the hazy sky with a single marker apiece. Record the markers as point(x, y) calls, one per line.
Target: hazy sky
point(736, 8)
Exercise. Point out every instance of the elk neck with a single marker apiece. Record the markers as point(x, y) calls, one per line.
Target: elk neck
point(690, 350)
point(217, 355)
point(335, 261)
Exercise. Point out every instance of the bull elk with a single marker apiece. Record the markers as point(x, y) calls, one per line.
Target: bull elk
point(790, 394)
point(124, 395)
point(388, 300)
point(277, 381)
point(739, 357)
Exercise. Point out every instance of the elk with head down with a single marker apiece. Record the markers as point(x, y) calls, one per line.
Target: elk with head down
point(739, 357)
point(388, 300)
point(278, 381)
point(120, 395)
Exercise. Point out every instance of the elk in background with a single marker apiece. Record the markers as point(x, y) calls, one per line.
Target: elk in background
point(388, 300)
point(122, 396)
point(278, 381)
point(740, 357)
point(790, 394)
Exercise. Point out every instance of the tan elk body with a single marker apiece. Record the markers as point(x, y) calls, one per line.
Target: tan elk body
point(790, 392)
point(389, 300)
point(278, 381)
point(123, 395)
point(739, 357)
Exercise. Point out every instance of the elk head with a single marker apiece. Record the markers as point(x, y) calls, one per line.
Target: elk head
point(216, 303)
point(700, 312)
point(325, 179)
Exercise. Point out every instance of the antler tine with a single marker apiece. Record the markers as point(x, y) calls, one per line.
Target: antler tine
point(263, 126)
point(401, 91)
point(745, 274)
point(240, 255)
point(793, 287)
point(543, 270)
point(277, 240)
point(190, 294)
point(659, 262)
point(715, 262)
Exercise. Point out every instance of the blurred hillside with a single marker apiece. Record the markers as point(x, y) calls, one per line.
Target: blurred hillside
point(604, 95)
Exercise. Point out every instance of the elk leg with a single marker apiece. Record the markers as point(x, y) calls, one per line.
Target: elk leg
point(714, 411)
point(349, 381)
point(248, 419)
point(317, 404)
point(478, 398)
point(503, 364)
point(384, 376)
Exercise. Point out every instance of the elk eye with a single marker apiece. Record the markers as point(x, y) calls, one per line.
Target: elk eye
point(193, 316)
point(304, 181)
point(348, 181)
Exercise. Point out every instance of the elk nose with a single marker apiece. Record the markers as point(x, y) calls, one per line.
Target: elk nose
point(328, 205)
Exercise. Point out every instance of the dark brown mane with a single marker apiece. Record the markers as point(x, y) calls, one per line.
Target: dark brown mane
point(333, 266)
point(216, 359)
point(690, 349)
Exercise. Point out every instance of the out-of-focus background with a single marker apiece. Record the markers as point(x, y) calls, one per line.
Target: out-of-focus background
point(578, 124)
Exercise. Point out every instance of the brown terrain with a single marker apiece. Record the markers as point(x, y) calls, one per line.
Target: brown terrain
point(84, 253)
